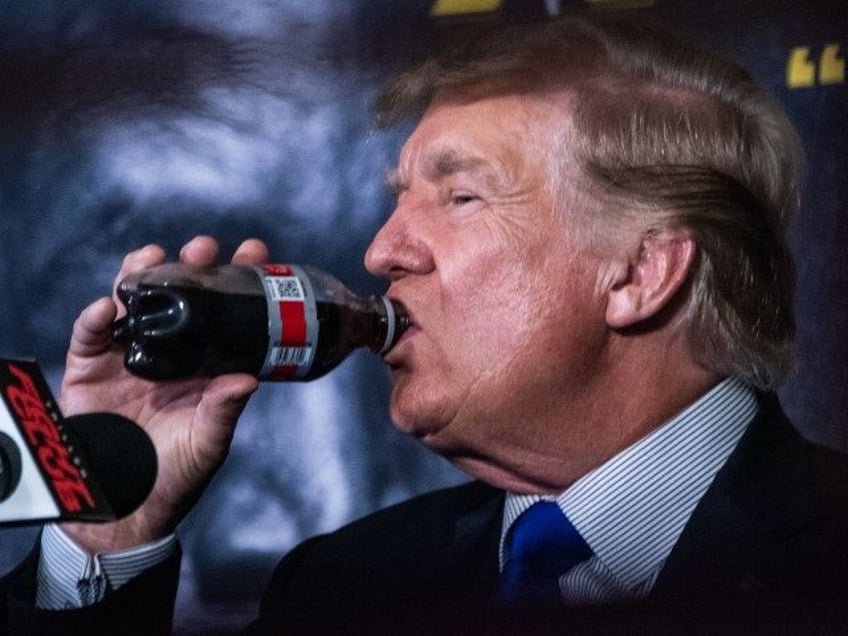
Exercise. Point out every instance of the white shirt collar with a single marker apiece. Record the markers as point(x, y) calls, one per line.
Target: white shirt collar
point(632, 509)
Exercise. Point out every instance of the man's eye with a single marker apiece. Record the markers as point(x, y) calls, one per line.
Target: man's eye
point(463, 198)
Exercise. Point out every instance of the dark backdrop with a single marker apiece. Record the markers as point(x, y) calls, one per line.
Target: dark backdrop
point(128, 123)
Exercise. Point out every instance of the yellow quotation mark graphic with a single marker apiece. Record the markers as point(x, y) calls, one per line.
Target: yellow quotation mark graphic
point(802, 72)
point(442, 8)
point(456, 7)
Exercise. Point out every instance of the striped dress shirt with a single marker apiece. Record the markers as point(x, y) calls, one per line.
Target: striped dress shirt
point(632, 509)
point(68, 577)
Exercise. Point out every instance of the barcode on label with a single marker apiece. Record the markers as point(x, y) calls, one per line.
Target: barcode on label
point(289, 356)
point(285, 288)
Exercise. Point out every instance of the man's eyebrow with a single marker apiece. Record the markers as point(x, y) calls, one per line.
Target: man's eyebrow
point(449, 162)
point(443, 164)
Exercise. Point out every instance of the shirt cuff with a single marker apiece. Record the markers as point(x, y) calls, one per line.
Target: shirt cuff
point(68, 577)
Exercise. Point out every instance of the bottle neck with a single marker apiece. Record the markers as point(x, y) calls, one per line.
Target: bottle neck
point(392, 321)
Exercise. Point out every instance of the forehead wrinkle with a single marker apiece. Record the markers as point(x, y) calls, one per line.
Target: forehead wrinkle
point(447, 162)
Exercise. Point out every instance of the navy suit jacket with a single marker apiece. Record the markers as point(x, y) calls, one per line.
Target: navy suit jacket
point(766, 551)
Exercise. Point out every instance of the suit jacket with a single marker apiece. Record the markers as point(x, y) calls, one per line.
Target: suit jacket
point(766, 551)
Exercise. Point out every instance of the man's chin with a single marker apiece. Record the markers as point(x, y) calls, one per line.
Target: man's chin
point(421, 428)
point(412, 415)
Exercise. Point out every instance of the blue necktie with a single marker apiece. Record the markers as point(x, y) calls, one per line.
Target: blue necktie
point(541, 546)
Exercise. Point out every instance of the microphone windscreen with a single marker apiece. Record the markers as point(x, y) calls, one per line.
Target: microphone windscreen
point(10, 466)
point(121, 456)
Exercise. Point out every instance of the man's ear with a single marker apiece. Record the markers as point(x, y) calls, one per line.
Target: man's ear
point(659, 269)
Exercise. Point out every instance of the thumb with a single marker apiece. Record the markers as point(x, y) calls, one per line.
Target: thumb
point(223, 402)
point(92, 331)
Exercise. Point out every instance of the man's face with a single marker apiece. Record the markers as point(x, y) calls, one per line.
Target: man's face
point(506, 308)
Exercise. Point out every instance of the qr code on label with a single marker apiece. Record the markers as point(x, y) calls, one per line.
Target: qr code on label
point(288, 288)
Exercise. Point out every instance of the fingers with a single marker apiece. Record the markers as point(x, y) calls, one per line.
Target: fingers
point(204, 251)
point(201, 251)
point(147, 256)
point(222, 404)
point(251, 252)
point(226, 396)
point(135, 261)
point(92, 332)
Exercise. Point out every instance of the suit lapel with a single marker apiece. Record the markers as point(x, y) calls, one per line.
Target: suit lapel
point(722, 547)
point(735, 540)
point(467, 559)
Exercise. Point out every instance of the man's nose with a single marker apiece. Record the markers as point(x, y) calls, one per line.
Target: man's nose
point(381, 255)
point(396, 249)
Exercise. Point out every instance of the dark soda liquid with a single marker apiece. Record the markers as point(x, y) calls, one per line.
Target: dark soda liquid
point(341, 329)
point(221, 333)
point(226, 333)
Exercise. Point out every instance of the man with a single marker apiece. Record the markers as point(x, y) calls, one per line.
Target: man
point(589, 238)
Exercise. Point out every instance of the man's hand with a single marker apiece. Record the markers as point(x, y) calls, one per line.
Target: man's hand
point(191, 422)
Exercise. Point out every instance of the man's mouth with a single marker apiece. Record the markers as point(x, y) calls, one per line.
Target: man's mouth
point(406, 327)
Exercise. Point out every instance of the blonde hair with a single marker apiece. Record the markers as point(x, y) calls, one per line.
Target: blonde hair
point(678, 134)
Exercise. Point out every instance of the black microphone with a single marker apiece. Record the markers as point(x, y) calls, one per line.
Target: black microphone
point(10, 466)
point(90, 467)
point(121, 456)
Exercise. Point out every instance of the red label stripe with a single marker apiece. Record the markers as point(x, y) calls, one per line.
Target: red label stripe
point(293, 316)
point(275, 269)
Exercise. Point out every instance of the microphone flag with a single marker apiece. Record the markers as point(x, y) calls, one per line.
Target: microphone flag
point(44, 472)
